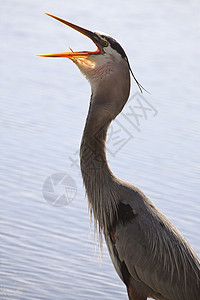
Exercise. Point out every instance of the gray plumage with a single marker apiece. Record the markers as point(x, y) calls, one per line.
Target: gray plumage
point(161, 263)
point(149, 254)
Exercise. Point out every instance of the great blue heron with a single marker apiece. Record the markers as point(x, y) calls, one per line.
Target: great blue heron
point(149, 254)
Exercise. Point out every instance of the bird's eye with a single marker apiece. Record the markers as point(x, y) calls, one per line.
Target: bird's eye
point(105, 44)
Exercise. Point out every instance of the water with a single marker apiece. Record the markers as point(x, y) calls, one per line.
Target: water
point(47, 251)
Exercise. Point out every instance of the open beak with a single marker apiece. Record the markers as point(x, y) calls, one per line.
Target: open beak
point(77, 54)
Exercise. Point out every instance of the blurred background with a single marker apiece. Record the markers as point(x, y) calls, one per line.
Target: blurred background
point(47, 249)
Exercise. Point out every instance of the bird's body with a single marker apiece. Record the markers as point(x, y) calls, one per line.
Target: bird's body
point(149, 254)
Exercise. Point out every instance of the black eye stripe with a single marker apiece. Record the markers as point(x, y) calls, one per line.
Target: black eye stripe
point(115, 45)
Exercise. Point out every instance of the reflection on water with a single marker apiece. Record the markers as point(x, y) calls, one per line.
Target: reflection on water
point(47, 251)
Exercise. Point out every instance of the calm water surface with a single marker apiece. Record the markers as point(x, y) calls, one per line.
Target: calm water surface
point(47, 251)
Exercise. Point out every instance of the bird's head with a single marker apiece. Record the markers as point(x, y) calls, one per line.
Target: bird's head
point(107, 68)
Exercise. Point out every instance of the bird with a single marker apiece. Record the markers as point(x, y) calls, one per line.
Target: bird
point(150, 255)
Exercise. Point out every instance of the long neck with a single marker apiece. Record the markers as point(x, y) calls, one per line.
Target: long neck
point(99, 181)
point(109, 95)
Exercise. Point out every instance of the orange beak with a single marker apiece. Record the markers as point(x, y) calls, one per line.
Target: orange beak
point(78, 54)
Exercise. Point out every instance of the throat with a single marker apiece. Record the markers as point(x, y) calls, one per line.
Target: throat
point(99, 181)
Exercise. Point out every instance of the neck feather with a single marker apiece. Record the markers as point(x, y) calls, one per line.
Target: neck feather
point(102, 187)
point(99, 181)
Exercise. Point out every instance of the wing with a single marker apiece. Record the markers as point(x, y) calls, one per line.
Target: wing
point(154, 251)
